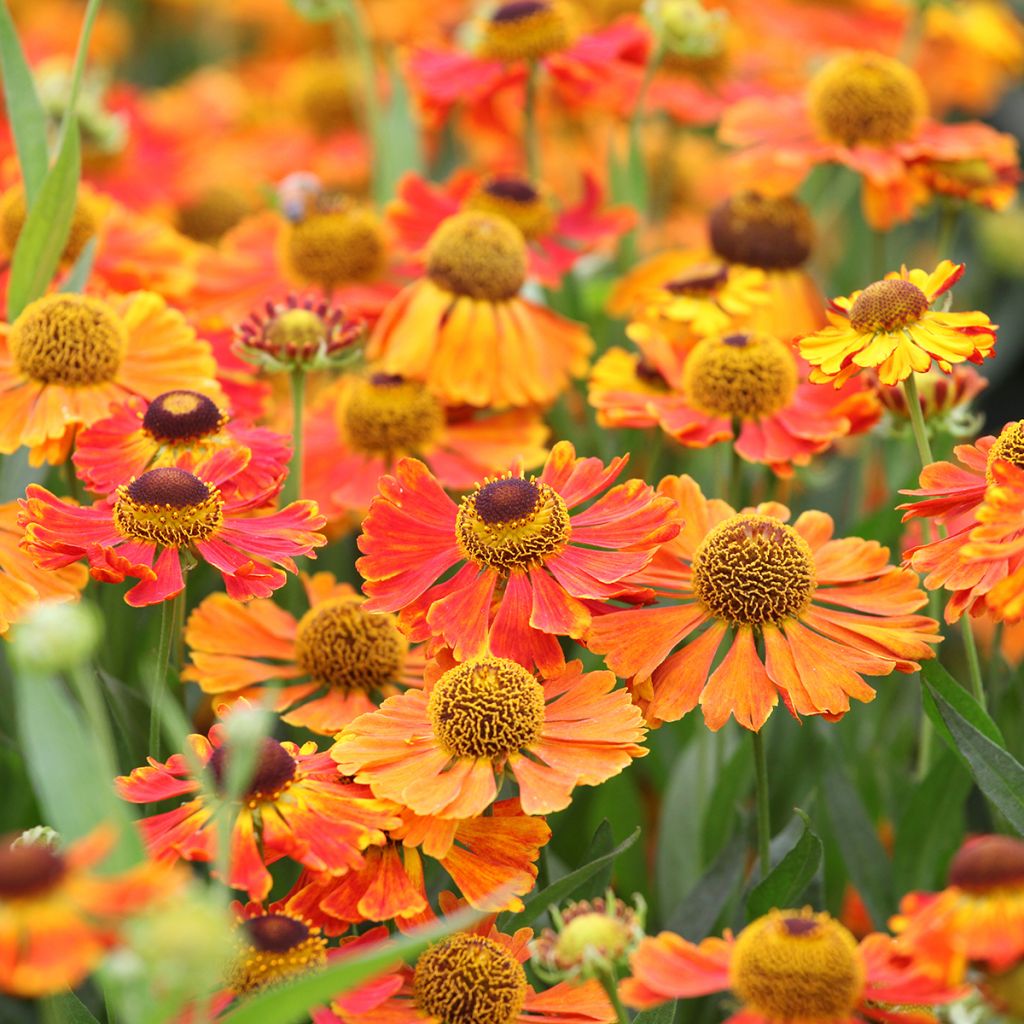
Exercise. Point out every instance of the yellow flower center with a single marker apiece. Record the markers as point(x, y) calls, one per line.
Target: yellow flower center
point(324, 97)
point(888, 306)
point(741, 376)
point(272, 774)
point(524, 30)
point(478, 255)
point(385, 415)
point(212, 214)
point(274, 948)
point(603, 934)
point(168, 506)
point(700, 281)
point(12, 220)
point(1008, 447)
point(988, 863)
point(511, 523)
point(179, 417)
point(340, 644)
point(771, 232)
point(487, 707)
point(469, 979)
point(862, 97)
point(68, 339)
point(29, 870)
point(516, 200)
point(296, 331)
point(752, 570)
point(792, 965)
point(338, 246)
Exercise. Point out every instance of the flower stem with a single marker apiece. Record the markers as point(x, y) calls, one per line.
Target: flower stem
point(948, 217)
point(917, 424)
point(610, 984)
point(973, 664)
point(292, 489)
point(531, 140)
point(764, 825)
point(169, 618)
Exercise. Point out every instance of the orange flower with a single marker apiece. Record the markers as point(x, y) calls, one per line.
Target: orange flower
point(142, 530)
point(828, 612)
point(492, 859)
point(67, 357)
point(296, 803)
point(477, 977)
point(978, 919)
point(361, 425)
point(750, 387)
point(891, 328)
point(786, 966)
point(58, 914)
point(464, 330)
point(442, 751)
point(344, 656)
point(22, 584)
point(528, 565)
point(139, 435)
point(556, 237)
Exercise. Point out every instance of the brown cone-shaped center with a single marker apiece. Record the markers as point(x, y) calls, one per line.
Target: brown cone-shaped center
point(275, 933)
point(28, 869)
point(988, 862)
point(887, 306)
point(771, 232)
point(273, 772)
point(178, 416)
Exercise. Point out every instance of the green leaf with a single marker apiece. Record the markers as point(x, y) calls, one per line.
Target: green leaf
point(866, 861)
point(788, 880)
point(695, 916)
point(664, 1014)
point(47, 226)
point(999, 775)
point(925, 841)
point(79, 274)
point(938, 680)
point(559, 891)
point(733, 785)
point(602, 843)
point(398, 148)
point(66, 1008)
point(290, 1004)
point(24, 109)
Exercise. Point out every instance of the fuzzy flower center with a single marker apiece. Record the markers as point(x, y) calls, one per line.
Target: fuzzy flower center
point(866, 98)
point(792, 965)
point(1008, 447)
point(699, 282)
point(343, 646)
point(68, 339)
point(28, 870)
point(516, 200)
point(211, 214)
point(168, 506)
point(524, 30)
point(273, 772)
point(740, 376)
point(478, 255)
point(593, 933)
point(487, 707)
point(511, 523)
point(338, 246)
point(989, 863)
point(888, 306)
point(12, 220)
point(324, 97)
point(177, 417)
point(274, 948)
point(753, 570)
point(469, 979)
point(387, 414)
point(770, 232)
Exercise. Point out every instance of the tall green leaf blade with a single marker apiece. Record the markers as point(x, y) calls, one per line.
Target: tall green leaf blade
point(47, 226)
point(789, 879)
point(664, 1014)
point(999, 775)
point(79, 274)
point(24, 108)
point(938, 680)
point(695, 916)
point(66, 1008)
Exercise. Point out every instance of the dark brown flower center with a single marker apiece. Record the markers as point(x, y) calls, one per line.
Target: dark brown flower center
point(28, 869)
point(771, 232)
point(177, 416)
point(988, 862)
point(275, 933)
point(273, 772)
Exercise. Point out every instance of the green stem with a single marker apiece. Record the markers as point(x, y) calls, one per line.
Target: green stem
point(917, 424)
point(973, 663)
point(292, 490)
point(764, 825)
point(531, 138)
point(948, 218)
point(168, 618)
point(878, 256)
point(610, 984)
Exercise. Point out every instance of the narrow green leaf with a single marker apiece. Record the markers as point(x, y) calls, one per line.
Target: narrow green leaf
point(24, 109)
point(695, 916)
point(788, 880)
point(999, 775)
point(47, 226)
point(732, 787)
point(562, 889)
point(67, 1008)
point(602, 843)
point(664, 1014)
point(290, 1004)
point(938, 680)
point(398, 149)
point(866, 861)
point(78, 276)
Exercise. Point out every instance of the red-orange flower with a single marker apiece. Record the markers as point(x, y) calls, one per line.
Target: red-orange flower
point(827, 611)
point(142, 530)
point(58, 914)
point(556, 237)
point(140, 435)
point(344, 658)
point(786, 966)
point(492, 860)
point(442, 751)
point(296, 803)
point(528, 562)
